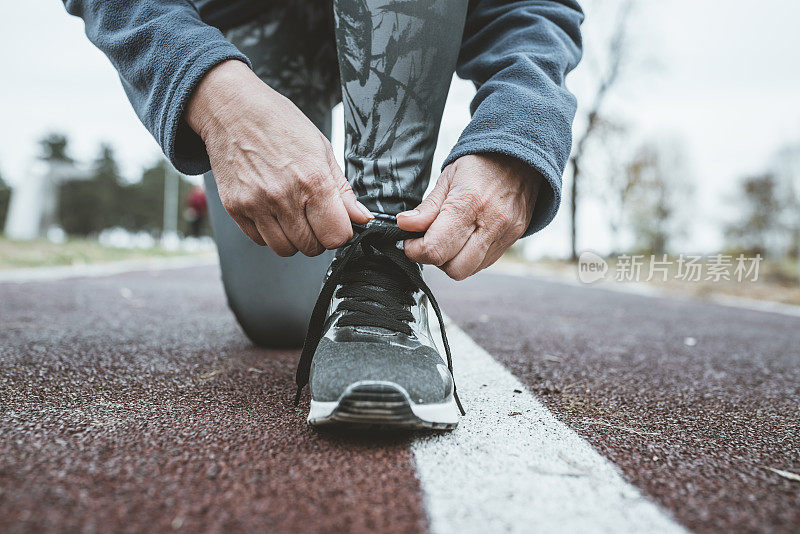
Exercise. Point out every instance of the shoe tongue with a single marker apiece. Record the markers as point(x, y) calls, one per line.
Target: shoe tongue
point(387, 222)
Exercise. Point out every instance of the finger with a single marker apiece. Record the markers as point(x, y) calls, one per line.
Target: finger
point(444, 239)
point(420, 218)
point(329, 220)
point(296, 228)
point(469, 259)
point(273, 235)
point(249, 228)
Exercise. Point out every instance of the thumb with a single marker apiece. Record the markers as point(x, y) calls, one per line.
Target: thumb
point(421, 217)
point(357, 211)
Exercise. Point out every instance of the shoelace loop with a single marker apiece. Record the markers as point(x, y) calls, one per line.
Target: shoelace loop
point(372, 295)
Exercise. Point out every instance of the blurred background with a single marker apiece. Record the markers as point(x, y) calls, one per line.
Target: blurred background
point(687, 141)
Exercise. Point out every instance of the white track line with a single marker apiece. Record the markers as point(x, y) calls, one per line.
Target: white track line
point(520, 473)
point(61, 272)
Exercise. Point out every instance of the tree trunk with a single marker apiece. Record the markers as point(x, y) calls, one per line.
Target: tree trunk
point(573, 214)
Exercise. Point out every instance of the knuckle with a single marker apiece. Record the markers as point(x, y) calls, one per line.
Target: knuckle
point(479, 202)
point(312, 182)
point(333, 231)
point(336, 240)
point(431, 204)
point(314, 251)
point(289, 252)
point(499, 222)
point(255, 237)
point(413, 252)
point(246, 204)
point(345, 187)
point(503, 219)
point(454, 167)
point(309, 245)
point(467, 205)
point(273, 193)
point(284, 250)
point(518, 227)
point(456, 273)
point(432, 253)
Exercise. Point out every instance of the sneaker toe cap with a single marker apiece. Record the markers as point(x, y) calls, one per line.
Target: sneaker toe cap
point(420, 371)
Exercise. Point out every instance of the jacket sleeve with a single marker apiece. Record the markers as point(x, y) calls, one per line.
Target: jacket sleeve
point(161, 49)
point(518, 53)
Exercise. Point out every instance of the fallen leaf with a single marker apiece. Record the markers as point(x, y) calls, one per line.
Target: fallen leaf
point(254, 370)
point(788, 475)
point(512, 414)
point(517, 391)
point(573, 464)
point(625, 428)
point(210, 374)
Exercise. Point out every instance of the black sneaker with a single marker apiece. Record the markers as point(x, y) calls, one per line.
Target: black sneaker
point(369, 352)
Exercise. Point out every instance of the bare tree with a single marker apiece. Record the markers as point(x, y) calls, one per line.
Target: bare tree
point(657, 195)
point(758, 223)
point(609, 78)
point(786, 168)
point(616, 188)
point(5, 198)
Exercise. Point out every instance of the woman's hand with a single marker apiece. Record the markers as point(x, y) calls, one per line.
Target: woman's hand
point(480, 206)
point(275, 171)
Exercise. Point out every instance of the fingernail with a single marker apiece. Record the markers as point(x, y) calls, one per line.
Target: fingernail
point(364, 210)
point(409, 213)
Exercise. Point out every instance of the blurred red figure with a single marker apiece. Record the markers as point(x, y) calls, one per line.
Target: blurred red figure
point(196, 210)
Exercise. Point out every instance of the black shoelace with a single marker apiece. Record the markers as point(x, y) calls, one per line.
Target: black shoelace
point(373, 293)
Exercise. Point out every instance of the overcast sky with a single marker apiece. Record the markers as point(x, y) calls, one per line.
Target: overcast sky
point(726, 83)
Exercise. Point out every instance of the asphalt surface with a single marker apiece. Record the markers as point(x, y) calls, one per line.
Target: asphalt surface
point(133, 403)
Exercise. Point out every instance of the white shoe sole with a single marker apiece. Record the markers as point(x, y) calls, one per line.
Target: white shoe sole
point(383, 404)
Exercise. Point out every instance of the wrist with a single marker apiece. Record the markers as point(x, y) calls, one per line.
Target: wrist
point(211, 100)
